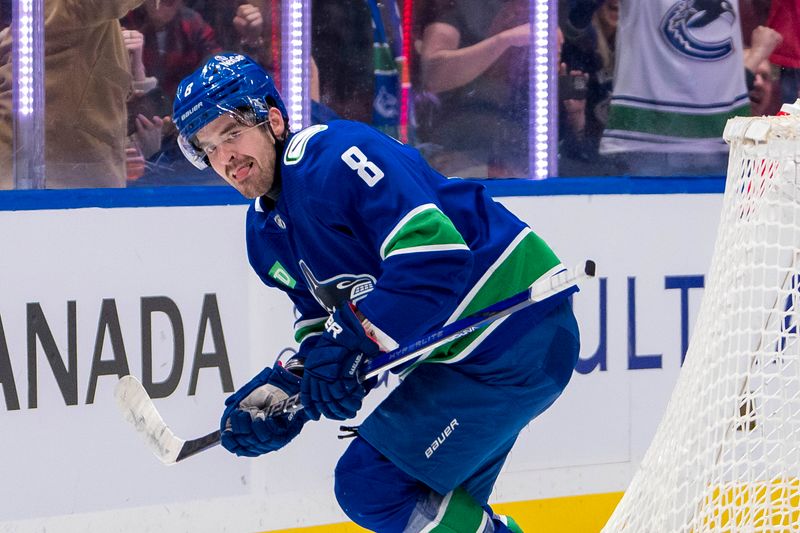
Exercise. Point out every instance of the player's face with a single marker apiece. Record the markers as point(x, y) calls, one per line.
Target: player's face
point(243, 155)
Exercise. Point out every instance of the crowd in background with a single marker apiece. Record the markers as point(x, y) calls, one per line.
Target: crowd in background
point(662, 79)
point(643, 88)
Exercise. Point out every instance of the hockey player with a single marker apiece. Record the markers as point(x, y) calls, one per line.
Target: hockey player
point(375, 249)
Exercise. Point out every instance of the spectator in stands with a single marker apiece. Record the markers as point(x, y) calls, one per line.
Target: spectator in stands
point(88, 81)
point(591, 27)
point(474, 62)
point(754, 13)
point(147, 110)
point(251, 28)
point(764, 98)
point(341, 46)
point(678, 79)
point(176, 40)
point(241, 26)
point(571, 109)
point(784, 17)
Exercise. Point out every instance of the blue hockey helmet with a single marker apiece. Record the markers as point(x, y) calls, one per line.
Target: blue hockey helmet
point(227, 83)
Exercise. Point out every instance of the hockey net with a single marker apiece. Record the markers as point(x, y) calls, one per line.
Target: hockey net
point(726, 455)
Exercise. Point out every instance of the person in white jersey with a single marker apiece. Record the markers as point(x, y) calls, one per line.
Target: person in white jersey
point(679, 78)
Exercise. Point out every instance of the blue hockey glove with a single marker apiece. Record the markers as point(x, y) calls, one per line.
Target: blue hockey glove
point(330, 385)
point(245, 428)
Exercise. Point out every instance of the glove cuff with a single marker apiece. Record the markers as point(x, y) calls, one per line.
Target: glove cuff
point(285, 379)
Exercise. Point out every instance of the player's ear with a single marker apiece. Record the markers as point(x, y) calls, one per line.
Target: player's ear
point(277, 122)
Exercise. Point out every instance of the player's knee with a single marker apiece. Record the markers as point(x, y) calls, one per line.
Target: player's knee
point(564, 349)
point(371, 491)
point(347, 484)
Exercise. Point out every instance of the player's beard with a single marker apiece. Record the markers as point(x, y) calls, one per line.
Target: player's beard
point(258, 179)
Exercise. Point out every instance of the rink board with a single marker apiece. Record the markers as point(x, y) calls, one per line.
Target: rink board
point(89, 292)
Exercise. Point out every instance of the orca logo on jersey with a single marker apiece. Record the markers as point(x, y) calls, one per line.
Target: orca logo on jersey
point(332, 292)
point(700, 29)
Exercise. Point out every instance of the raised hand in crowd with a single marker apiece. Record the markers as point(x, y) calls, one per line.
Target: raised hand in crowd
point(518, 35)
point(134, 43)
point(763, 41)
point(148, 134)
point(135, 163)
point(249, 24)
point(143, 144)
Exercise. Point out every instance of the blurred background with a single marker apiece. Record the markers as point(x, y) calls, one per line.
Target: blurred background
point(484, 89)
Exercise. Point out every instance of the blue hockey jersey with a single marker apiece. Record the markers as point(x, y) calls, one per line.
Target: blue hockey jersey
point(362, 217)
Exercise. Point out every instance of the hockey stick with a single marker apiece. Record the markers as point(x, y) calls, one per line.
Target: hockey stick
point(140, 411)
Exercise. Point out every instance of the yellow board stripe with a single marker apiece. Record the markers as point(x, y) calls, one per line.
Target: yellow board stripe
point(570, 514)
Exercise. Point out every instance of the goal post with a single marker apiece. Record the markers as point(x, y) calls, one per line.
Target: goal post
point(726, 455)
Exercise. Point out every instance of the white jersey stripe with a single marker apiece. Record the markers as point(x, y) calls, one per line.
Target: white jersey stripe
point(429, 248)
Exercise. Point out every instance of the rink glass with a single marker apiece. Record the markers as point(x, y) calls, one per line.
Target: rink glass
point(380, 62)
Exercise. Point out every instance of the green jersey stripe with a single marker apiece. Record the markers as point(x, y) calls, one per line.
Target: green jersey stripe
point(425, 225)
point(671, 124)
point(307, 328)
point(524, 261)
point(459, 311)
point(458, 512)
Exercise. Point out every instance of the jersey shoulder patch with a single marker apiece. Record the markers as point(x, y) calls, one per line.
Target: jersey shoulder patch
point(296, 148)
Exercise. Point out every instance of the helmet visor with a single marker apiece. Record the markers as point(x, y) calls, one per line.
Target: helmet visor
point(193, 153)
point(199, 153)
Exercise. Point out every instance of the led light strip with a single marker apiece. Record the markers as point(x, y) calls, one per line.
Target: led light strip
point(24, 59)
point(296, 37)
point(28, 94)
point(542, 133)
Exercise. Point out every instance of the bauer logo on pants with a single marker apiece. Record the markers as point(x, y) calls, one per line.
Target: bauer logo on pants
point(446, 432)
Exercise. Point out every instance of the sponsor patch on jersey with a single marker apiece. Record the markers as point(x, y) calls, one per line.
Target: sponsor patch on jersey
point(280, 275)
point(297, 146)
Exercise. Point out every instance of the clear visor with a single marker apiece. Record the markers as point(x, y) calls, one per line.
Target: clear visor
point(195, 155)
point(198, 153)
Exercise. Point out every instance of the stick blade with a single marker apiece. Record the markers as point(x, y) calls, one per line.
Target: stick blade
point(138, 409)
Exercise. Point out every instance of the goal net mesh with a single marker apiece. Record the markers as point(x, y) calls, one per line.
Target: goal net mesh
point(726, 455)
